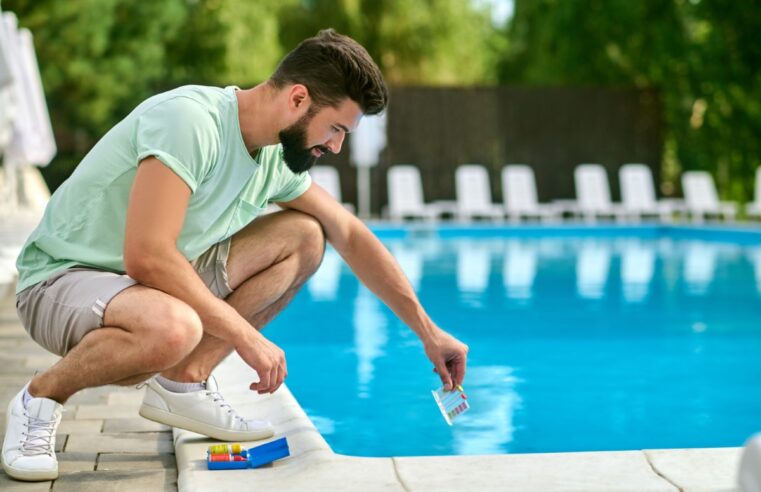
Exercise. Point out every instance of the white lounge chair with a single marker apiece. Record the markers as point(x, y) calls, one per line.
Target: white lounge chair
point(753, 209)
point(701, 199)
point(520, 197)
point(474, 193)
point(327, 178)
point(593, 193)
point(638, 197)
point(405, 196)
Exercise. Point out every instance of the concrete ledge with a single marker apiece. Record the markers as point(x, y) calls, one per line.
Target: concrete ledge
point(698, 470)
point(314, 466)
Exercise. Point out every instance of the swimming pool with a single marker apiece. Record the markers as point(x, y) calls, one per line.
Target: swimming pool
point(603, 338)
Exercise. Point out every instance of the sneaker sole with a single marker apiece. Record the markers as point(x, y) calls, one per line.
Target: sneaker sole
point(26, 475)
point(30, 476)
point(163, 417)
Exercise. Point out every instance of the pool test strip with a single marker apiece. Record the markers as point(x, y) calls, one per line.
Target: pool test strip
point(451, 403)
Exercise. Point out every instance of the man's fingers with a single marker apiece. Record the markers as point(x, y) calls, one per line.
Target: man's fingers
point(280, 379)
point(274, 380)
point(264, 381)
point(446, 380)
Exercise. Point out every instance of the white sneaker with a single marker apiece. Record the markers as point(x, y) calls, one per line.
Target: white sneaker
point(29, 445)
point(205, 412)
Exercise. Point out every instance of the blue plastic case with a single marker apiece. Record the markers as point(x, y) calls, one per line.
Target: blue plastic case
point(255, 457)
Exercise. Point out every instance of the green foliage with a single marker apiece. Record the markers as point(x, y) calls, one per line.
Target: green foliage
point(431, 42)
point(701, 55)
point(100, 58)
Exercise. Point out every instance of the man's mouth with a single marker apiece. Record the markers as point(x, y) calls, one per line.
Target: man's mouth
point(319, 151)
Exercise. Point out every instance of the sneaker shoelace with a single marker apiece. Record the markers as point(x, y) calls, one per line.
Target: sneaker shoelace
point(217, 398)
point(38, 438)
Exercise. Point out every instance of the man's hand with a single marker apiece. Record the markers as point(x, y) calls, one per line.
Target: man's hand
point(266, 358)
point(449, 357)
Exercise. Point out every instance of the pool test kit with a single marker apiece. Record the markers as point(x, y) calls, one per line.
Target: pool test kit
point(451, 403)
point(234, 457)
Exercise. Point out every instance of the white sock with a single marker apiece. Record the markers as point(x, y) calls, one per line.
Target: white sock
point(26, 397)
point(177, 387)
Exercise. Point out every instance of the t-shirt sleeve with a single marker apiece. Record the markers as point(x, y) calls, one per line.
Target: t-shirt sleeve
point(290, 185)
point(182, 135)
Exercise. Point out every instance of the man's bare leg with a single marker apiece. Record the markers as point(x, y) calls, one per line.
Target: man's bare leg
point(269, 261)
point(145, 332)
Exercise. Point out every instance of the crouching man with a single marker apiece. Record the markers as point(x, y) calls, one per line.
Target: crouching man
point(148, 263)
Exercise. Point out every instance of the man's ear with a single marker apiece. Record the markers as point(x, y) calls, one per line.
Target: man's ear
point(298, 98)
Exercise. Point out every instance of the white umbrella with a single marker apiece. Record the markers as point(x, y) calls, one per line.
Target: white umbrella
point(6, 102)
point(367, 142)
point(32, 141)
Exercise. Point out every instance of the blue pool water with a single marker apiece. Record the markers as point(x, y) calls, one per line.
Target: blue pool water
point(579, 340)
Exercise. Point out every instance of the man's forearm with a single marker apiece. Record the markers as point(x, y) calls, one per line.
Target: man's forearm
point(170, 272)
point(379, 271)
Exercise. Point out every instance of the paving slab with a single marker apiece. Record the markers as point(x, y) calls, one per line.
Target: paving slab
point(7, 484)
point(107, 411)
point(126, 396)
point(698, 470)
point(160, 442)
point(80, 426)
point(116, 481)
point(76, 462)
point(138, 424)
point(128, 461)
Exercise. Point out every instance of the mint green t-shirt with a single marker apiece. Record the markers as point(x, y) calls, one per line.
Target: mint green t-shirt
point(195, 132)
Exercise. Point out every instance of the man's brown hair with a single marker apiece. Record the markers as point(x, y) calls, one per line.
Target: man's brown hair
point(333, 66)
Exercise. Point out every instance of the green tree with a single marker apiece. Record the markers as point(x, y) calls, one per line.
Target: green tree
point(432, 42)
point(700, 55)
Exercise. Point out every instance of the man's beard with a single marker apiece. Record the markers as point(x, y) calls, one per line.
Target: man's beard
point(297, 156)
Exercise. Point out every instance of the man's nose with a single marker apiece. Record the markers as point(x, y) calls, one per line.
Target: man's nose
point(335, 143)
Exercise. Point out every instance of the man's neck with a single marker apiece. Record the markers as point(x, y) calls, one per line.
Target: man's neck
point(259, 121)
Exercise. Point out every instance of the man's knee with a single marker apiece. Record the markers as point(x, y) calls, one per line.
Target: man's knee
point(175, 332)
point(311, 246)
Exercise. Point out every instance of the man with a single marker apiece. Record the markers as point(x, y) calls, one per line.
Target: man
point(148, 258)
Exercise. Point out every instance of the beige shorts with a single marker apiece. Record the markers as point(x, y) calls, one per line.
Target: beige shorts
point(62, 309)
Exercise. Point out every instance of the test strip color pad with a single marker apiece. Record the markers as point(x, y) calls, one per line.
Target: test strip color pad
point(451, 403)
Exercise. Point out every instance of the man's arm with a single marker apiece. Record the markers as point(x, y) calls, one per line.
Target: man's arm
point(156, 211)
point(378, 270)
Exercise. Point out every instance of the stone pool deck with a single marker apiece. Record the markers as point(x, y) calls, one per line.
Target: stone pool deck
point(313, 466)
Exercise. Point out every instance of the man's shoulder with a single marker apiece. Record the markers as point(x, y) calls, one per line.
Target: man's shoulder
point(188, 98)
